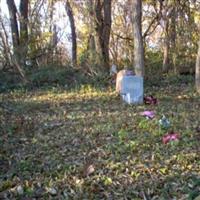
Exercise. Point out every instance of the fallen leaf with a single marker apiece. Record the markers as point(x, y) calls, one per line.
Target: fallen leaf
point(20, 190)
point(52, 191)
point(89, 170)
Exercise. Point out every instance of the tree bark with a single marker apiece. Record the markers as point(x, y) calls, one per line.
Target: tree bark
point(166, 41)
point(23, 30)
point(91, 38)
point(24, 20)
point(13, 23)
point(73, 32)
point(5, 43)
point(106, 32)
point(51, 15)
point(167, 14)
point(197, 73)
point(15, 38)
point(138, 41)
point(173, 38)
point(103, 28)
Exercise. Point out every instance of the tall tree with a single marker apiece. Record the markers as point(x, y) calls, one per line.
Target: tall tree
point(137, 35)
point(5, 43)
point(24, 20)
point(166, 16)
point(103, 28)
point(173, 36)
point(73, 32)
point(197, 67)
point(166, 42)
point(92, 36)
point(13, 23)
point(15, 37)
point(197, 74)
point(23, 29)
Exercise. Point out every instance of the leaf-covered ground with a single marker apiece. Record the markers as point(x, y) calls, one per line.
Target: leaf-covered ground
point(88, 144)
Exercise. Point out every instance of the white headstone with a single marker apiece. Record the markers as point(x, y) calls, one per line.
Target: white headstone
point(132, 89)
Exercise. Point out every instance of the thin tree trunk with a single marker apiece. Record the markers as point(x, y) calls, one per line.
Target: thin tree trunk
point(91, 48)
point(51, 14)
point(173, 38)
point(138, 41)
point(52, 30)
point(167, 14)
point(197, 74)
point(73, 32)
point(166, 42)
point(165, 65)
point(91, 39)
point(23, 30)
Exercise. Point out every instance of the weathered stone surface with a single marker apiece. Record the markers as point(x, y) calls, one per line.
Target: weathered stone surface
point(132, 89)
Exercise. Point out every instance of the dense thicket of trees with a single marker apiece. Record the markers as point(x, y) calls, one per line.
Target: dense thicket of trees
point(102, 32)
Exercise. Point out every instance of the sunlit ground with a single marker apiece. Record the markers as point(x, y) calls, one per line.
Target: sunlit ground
point(88, 144)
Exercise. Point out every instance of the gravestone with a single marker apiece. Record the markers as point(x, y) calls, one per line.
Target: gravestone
point(119, 78)
point(132, 89)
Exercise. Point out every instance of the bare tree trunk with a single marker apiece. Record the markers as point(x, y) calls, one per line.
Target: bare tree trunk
point(167, 14)
point(23, 30)
point(51, 14)
point(106, 32)
point(103, 28)
point(11, 59)
point(24, 20)
point(13, 22)
point(99, 25)
point(173, 38)
point(197, 74)
point(15, 38)
point(5, 43)
point(138, 41)
point(166, 41)
point(91, 40)
point(91, 48)
point(73, 32)
point(53, 31)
